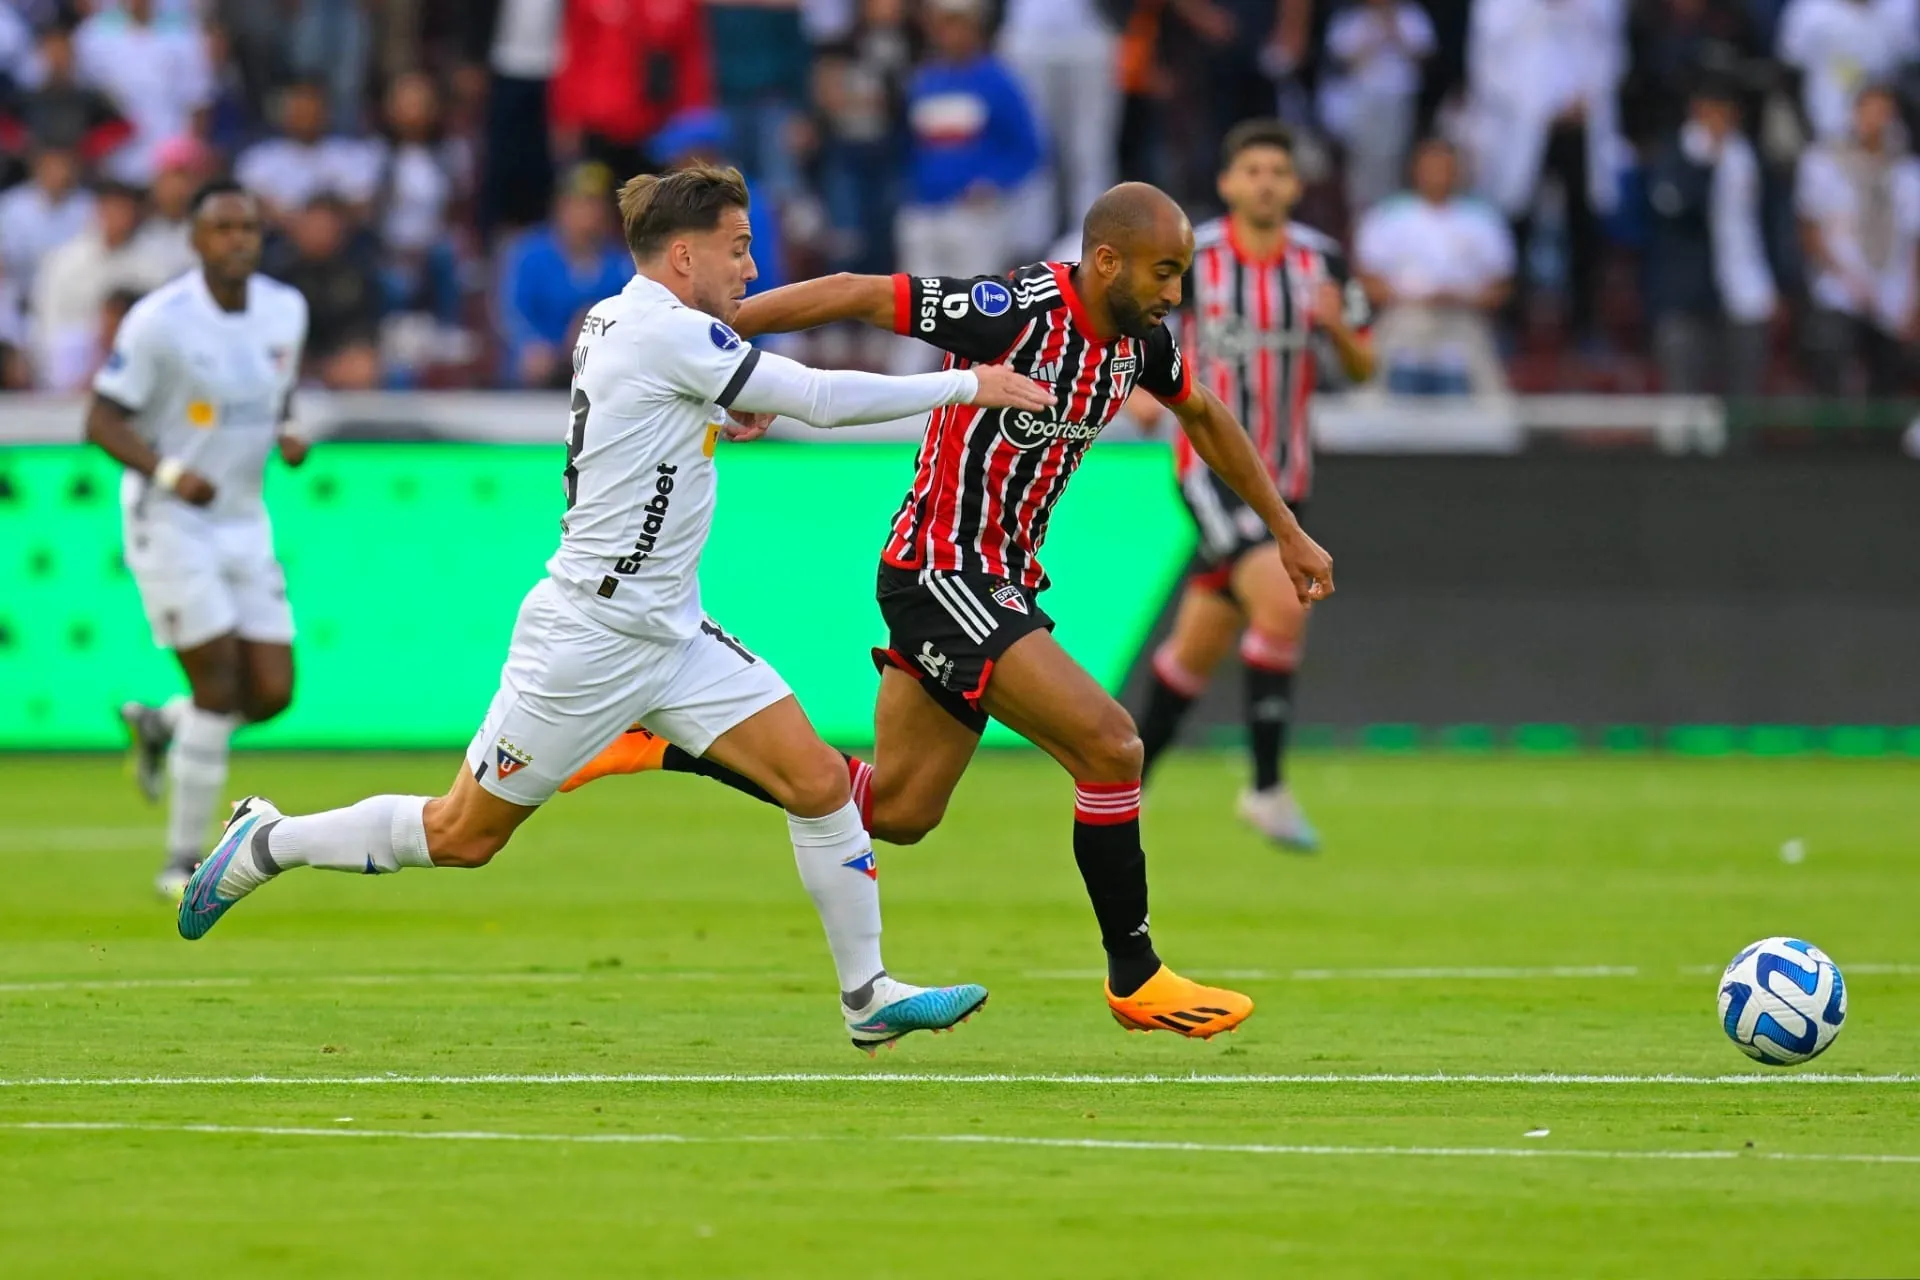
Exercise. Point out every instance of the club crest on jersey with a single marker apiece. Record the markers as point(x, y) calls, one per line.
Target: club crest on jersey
point(992, 298)
point(723, 337)
point(864, 864)
point(1008, 596)
point(509, 759)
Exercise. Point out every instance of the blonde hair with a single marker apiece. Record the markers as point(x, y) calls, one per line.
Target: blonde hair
point(655, 208)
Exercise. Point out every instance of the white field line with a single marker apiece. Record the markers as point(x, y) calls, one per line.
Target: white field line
point(960, 1139)
point(1465, 973)
point(945, 1078)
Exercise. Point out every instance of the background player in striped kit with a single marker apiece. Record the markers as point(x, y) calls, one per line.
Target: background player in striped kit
point(195, 395)
point(1268, 297)
point(959, 578)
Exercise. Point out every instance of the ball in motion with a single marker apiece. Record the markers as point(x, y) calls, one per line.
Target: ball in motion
point(1782, 1001)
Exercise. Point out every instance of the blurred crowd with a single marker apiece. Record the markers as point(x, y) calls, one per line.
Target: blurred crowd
point(1710, 195)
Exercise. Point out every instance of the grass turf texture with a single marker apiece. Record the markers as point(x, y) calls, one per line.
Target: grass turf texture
point(655, 926)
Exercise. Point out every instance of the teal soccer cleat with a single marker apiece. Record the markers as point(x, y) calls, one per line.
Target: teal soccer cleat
point(230, 873)
point(899, 1009)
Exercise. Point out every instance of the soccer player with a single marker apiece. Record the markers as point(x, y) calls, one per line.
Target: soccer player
point(1265, 292)
point(196, 392)
point(960, 577)
point(615, 631)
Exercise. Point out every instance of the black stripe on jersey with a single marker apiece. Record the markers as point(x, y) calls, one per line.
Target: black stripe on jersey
point(1287, 360)
point(1244, 376)
point(739, 379)
point(1026, 471)
point(1100, 406)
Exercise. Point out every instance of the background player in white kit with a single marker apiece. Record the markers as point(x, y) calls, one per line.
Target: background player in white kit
point(195, 394)
point(615, 632)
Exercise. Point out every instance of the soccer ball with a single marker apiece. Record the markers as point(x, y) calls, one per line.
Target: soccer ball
point(1782, 1001)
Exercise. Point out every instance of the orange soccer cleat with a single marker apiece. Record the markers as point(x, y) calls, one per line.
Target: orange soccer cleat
point(634, 751)
point(1169, 1002)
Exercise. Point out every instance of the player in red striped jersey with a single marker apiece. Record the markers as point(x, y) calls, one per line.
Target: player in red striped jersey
point(1268, 296)
point(960, 576)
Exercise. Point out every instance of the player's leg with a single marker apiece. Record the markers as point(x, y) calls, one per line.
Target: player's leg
point(1039, 691)
point(267, 679)
point(920, 749)
point(198, 745)
point(1270, 648)
point(725, 704)
point(1203, 632)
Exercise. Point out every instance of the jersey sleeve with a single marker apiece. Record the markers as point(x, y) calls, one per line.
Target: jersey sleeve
point(133, 369)
point(1164, 373)
point(700, 357)
point(977, 319)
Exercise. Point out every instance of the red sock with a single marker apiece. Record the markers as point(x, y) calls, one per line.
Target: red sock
point(860, 775)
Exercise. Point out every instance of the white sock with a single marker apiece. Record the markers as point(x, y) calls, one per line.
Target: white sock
point(835, 857)
point(375, 837)
point(172, 709)
point(197, 765)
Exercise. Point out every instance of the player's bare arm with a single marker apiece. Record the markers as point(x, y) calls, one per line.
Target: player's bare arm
point(1224, 445)
point(1354, 349)
point(110, 426)
point(812, 303)
point(293, 442)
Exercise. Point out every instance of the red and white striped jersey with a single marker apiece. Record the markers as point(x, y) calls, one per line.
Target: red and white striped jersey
point(1248, 327)
point(987, 479)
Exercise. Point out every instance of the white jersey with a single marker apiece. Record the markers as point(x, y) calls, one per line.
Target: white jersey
point(207, 386)
point(649, 378)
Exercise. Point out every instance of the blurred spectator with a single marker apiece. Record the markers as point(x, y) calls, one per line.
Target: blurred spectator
point(761, 83)
point(332, 42)
point(75, 280)
point(1438, 265)
point(39, 216)
point(183, 164)
point(705, 136)
point(1371, 101)
point(16, 373)
point(859, 87)
point(16, 50)
point(552, 273)
point(232, 114)
point(1859, 204)
point(625, 69)
point(289, 172)
point(1675, 42)
point(60, 112)
point(1065, 53)
point(972, 142)
point(112, 312)
point(1245, 46)
point(519, 40)
point(1840, 46)
point(422, 175)
point(341, 284)
point(154, 68)
point(1542, 79)
point(248, 43)
point(1708, 288)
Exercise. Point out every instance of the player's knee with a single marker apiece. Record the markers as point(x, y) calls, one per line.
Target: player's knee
point(816, 785)
point(218, 692)
point(264, 702)
point(1113, 752)
point(466, 849)
point(905, 819)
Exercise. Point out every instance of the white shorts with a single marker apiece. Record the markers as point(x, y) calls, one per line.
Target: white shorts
point(200, 578)
point(571, 686)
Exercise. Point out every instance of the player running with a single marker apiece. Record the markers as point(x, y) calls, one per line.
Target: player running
point(615, 631)
point(960, 577)
point(195, 394)
point(1264, 290)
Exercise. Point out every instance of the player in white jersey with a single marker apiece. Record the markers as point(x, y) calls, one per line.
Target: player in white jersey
point(195, 394)
point(615, 632)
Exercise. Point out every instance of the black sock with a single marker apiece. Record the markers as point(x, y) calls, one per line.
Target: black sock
point(1166, 707)
point(1106, 845)
point(678, 761)
point(1269, 712)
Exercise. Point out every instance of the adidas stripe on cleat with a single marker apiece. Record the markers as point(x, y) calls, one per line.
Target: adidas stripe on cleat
point(1169, 1002)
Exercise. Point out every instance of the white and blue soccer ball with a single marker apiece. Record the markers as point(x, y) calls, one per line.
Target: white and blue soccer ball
point(1782, 1001)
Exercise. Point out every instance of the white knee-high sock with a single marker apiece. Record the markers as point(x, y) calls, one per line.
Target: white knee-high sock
point(835, 857)
point(172, 709)
point(375, 837)
point(197, 765)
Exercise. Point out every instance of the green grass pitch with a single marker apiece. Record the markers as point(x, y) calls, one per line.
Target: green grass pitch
point(1496, 917)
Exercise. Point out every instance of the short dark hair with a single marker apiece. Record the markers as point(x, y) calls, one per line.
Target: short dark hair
point(215, 187)
point(1249, 134)
point(653, 209)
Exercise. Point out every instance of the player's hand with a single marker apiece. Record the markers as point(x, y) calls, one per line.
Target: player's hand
point(1002, 388)
point(1329, 306)
point(1308, 564)
point(193, 488)
point(742, 427)
point(294, 450)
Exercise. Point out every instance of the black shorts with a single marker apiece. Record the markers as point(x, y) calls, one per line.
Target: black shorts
point(948, 629)
point(1227, 526)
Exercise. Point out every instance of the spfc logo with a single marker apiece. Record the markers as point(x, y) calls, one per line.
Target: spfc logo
point(1008, 596)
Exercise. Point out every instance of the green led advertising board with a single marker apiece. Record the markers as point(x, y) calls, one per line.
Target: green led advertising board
point(406, 564)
